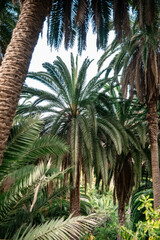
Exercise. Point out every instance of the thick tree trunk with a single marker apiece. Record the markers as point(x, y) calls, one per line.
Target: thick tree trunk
point(16, 62)
point(75, 193)
point(152, 119)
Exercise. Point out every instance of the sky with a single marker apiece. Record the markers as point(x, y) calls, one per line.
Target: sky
point(42, 53)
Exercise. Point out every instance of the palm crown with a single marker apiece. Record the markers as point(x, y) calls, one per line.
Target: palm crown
point(71, 114)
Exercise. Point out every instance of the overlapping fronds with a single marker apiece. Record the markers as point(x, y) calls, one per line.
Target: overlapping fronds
point(128, 118)
point(71, 19)
point(60, 229)
point(76, 119)
point(112, 132)
point(137, 62)
point(25, 145)
point(23, 191)
point(67, 20)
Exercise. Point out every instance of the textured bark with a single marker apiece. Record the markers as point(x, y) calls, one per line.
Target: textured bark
point(16, 62)
point(152, 119)
point(121, 216)
point(75, 193)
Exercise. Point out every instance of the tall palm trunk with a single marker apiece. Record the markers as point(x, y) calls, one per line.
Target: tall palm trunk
point(16, 62)
point(152, 119)
point(75, 192)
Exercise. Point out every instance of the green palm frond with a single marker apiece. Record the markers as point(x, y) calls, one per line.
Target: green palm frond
point(60, 229)
point(61, 67)
point(69, 115)
point(24, 190)
point(41, 96)
point(101, 163)
point(133, 139)
point(45, 145)
point(44, 78)
point(86, 132)
point(26, 146)
point(141, 131)
point(111, 49)
point(27, 130)
point(22, 137)
point(112, 132)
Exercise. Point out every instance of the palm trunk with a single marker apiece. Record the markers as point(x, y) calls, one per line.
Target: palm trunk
point(16, 62)
point(75, 193)
point(121, 216)
point(152, 119)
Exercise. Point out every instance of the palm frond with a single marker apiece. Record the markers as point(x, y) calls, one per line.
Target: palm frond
point(63, 229)
point(23, 191)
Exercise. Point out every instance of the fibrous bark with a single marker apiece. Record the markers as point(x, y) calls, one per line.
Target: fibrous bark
point(16, 62)
point(152, 119)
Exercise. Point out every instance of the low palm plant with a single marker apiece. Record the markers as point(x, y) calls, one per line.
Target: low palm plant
point(26, 171)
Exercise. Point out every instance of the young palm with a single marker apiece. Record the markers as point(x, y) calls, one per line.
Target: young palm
point(138, 59)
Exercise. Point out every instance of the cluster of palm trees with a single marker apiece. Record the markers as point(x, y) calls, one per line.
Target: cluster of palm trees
point(25, 177)
point(105, 134)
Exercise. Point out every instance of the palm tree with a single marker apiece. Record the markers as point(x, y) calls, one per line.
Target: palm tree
point(71, 114)
point(138, 59)
point(18, 55)
point(24, 39)
point(64, 19)
point(126, 167)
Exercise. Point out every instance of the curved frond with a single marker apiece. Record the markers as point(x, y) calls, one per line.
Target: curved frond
point(61, 229)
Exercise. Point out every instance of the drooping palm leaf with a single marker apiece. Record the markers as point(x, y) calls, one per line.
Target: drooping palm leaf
point(60, 229)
